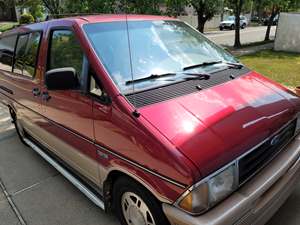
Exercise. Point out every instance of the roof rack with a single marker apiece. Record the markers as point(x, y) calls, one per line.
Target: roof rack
point(59, 16)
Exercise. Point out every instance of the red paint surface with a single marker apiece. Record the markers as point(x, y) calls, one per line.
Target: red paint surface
point(183, 139)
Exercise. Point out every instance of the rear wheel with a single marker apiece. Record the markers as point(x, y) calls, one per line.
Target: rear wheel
point(243, 26)
point(136, 206)
point(232, 27)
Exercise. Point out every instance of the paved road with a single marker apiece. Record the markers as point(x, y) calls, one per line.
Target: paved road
point(248, 35)
point(37, 195)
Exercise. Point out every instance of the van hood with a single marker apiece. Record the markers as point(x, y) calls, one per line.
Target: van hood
point(214, 126)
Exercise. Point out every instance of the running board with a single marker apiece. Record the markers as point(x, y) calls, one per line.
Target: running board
point(84, 189)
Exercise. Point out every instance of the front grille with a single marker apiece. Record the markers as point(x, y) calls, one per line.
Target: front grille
point(253, 162)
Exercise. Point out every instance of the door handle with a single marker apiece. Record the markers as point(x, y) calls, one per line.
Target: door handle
point(45, 96)
point(36, 92)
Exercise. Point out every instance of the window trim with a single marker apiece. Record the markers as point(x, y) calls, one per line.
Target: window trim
point(38, 53)
point(87, 84)
point(49, 42)
point(15, 45)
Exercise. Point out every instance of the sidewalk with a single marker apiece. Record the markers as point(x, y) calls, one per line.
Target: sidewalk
point(39, 194)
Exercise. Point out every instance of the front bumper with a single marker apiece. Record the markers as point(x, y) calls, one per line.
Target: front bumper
point(256, 201)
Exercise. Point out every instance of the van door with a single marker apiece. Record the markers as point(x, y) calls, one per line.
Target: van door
point(24, 82)
point(69, 113)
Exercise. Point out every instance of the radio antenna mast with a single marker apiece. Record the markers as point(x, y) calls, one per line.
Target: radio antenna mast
point(135, 112)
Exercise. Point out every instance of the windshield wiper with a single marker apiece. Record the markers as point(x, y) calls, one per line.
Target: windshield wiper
point(201, 64)
point(156, 76)
point(234, 65)
point(151, 77)
point(230, 65)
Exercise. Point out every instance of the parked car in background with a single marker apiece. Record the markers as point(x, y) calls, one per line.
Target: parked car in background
point(256, 19)
point(149, 118)
point(267, 19)
point(229, 23)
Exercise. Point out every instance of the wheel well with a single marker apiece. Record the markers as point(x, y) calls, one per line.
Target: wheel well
point(108, 185)
point(12, 112)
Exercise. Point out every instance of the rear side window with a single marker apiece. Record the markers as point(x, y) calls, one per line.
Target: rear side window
point(27, 53)
point(7, 46)
point(65, 51)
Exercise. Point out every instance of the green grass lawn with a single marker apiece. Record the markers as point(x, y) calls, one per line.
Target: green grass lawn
point(7, 26)
point(279, 66)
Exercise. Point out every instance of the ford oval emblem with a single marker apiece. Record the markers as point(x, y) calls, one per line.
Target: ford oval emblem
point(275, 140)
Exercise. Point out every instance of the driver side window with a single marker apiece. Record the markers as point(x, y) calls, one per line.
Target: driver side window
point(65, 51)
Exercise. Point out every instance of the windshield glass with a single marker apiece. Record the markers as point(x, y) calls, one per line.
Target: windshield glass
point(230, 18)
point(156, 47)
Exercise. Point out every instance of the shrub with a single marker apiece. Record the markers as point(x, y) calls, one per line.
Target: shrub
point(26, 18)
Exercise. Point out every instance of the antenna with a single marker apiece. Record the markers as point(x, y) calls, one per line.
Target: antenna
point(135, 113)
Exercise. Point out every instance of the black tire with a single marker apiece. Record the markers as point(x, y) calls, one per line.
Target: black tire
point(221, 28)
point(124, 185)
point(243, 26)
point(232, 27)
point(17, 126)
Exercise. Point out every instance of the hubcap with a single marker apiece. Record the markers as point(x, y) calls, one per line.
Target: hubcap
point(135, 210)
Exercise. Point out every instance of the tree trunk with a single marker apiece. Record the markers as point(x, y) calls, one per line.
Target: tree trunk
point(201, 24)
point(238, 9)
point(270, 23)
point(201, 21)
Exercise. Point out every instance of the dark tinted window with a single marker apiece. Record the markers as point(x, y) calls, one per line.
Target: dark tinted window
point(65, 51)
point(7, 45)
point(20, 53)
point(27, 53)
point(31, 55)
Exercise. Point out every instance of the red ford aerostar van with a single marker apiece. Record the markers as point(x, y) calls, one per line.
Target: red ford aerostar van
point(149, 118)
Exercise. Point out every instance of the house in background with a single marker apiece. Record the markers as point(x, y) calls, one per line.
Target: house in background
point(7, 10)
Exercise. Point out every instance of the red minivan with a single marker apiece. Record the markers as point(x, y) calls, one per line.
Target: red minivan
point(149, 118)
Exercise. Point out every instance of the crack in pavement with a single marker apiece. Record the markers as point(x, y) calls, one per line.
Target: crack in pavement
point(12, 204)
point(34, 185)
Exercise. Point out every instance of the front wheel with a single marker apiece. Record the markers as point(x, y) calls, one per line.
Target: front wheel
point(232, 27)
point(134, 205)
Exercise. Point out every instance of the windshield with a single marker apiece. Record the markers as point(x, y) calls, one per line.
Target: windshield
point(156, 47)
point(230, 18)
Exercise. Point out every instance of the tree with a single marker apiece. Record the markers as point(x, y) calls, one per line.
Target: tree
point(175, 7)
point(276, 6)
point(206, 10)
point(140, 6)
point(53, 6)
point(237, 6)
point(35, 7)
point(90, 6)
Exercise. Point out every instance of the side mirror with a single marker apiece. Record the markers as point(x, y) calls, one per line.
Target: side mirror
point(62, 79)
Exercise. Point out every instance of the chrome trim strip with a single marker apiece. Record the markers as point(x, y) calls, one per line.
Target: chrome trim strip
point(142, 167)
point(97, 201)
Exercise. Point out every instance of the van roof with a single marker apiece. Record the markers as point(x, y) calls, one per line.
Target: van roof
point(97, 18)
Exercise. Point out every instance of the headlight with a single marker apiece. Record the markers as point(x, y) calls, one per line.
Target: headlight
point(209, 191)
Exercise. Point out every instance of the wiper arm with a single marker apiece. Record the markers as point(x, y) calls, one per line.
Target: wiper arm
point(151, 77)
point(230, 64)
point(201, 64)
point(234, 65)
point(192, 76)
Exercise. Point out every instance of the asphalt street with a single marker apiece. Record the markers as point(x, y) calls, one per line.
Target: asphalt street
point(248, 35)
